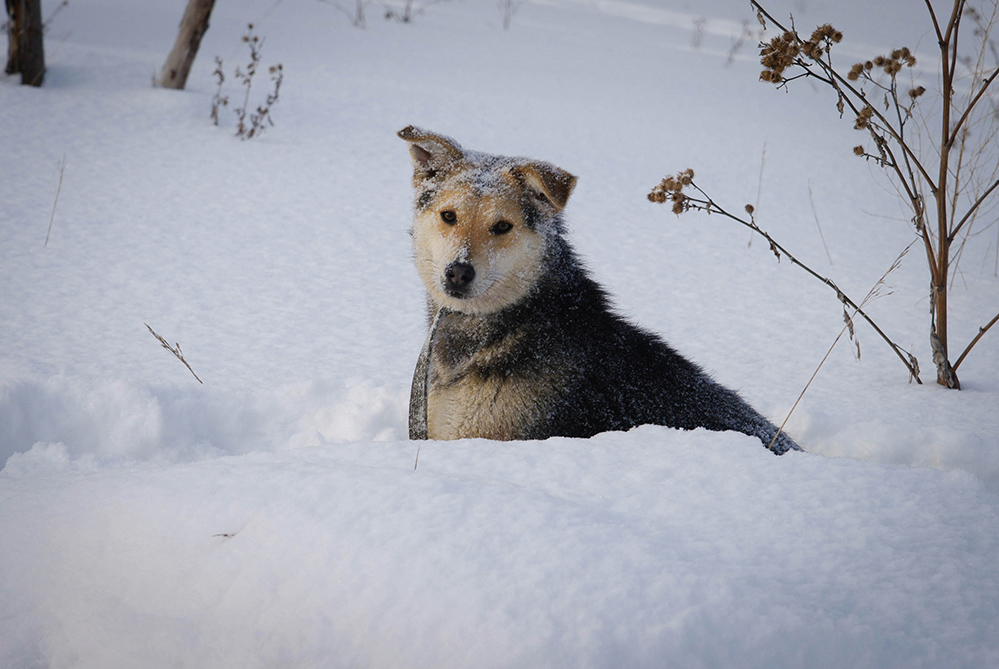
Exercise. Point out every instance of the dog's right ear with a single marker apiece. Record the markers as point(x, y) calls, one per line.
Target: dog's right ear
point(431, 152)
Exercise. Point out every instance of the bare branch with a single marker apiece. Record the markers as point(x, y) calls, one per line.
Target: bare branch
point(848, 326)
point(933, 17)
point(671, 189)
point(971, 105)
point(981, 331)
point(974, 207)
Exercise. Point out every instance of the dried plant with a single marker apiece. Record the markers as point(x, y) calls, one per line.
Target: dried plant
point(54, 13)
point(509, 8)
point(738, 41)
point(938, 149)
point(249, 124)
point(356, 15)
point(62, 170)
point(685, 195)
point(409, 10)
point(218, 100)
point(879, 290)
point(175, 349)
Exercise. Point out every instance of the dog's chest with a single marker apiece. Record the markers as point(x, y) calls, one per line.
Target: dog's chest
point(489, 408)
point(481, 393)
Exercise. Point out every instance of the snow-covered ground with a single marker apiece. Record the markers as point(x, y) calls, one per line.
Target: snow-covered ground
point(273, 517)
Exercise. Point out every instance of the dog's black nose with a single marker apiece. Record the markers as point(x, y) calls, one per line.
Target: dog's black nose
point(458, 277)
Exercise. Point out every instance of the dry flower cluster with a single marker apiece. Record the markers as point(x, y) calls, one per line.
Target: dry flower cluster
point(783, 50)
point(892, 64)
point(671, 188)
point(943, 164)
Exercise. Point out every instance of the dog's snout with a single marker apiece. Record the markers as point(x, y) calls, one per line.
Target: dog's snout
point(458, 277)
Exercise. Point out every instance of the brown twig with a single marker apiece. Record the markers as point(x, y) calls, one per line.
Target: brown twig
point(981, 331)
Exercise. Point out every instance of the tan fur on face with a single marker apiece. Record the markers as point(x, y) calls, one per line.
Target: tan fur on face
point(506, 266)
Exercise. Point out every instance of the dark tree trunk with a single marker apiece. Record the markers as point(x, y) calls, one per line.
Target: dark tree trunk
point(192, 28)
point(25, 48)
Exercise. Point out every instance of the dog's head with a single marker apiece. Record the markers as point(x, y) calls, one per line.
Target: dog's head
point(483, 223)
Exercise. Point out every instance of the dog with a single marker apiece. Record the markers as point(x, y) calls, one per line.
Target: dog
point(523, 343)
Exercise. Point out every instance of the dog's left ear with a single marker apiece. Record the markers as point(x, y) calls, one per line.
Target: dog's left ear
point(431, 152)
point(552, 183)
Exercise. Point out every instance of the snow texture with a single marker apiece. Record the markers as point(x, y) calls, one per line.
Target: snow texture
point(273, 516)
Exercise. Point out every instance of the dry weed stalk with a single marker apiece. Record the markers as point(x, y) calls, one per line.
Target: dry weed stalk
point(946, 187)
point(218, 100)
point(62, 169)
point(874, 293)
point(509, 8)
point(260, 119)
point(671, 189)
point(54, 13)
point(175, 349)
point(355, 15)
point(409, 10)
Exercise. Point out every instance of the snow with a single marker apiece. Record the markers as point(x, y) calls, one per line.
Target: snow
point(273, 515)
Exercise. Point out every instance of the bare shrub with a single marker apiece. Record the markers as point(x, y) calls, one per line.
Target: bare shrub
point(249, 124)
point(938, 148)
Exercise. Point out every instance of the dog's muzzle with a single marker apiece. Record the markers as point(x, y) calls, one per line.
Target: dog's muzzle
point(458, 277)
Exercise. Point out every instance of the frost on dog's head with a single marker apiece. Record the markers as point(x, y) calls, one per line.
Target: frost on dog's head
point(483, 223)
point(437, 157)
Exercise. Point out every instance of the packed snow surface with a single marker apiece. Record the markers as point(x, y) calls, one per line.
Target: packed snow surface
point(277, 516)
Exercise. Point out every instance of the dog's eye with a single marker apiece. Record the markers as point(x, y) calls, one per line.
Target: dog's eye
point(449, 217)
point(501, 228)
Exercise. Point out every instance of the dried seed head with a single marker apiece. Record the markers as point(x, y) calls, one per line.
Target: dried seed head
point(903, 55)
point(855, 72)
point(916, 92)
point(858, 150)
point(679, 203)
point(864, 118)
point(659, 194)
point(779, 55)
point(822, 38)
point(750, 209)
point(813, 50)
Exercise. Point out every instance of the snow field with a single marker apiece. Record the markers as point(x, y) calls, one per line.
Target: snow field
point(273, 517)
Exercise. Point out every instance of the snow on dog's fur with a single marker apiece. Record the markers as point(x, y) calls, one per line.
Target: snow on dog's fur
point(526, 346)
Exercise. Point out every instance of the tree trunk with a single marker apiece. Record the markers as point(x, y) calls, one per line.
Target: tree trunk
point(25, 47)
point(192, 28)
